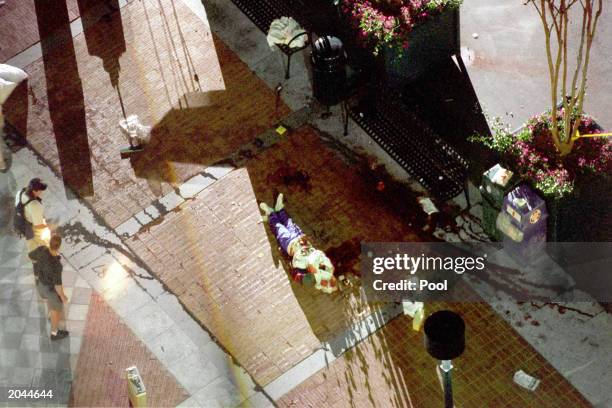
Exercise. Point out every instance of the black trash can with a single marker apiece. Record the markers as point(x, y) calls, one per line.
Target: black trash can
point(444, 335)
point(329, 70)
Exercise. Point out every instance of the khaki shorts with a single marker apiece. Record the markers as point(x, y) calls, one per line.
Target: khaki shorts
point(50, 295)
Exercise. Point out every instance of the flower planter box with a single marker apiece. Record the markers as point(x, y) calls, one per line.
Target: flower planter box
point(430, 43)
point(585, 215)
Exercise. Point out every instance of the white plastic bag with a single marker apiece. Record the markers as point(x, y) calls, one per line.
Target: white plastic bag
point(282, 30)
point(137, 133)
point(10, 77)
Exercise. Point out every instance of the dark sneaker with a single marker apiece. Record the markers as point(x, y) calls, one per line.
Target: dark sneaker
point(60, 335)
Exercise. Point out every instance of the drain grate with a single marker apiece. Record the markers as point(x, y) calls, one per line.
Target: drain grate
point(412, 144)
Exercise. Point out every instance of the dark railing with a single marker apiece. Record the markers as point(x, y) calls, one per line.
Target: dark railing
point(421, 152)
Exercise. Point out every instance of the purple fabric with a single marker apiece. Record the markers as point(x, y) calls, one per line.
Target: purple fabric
point(283, 228)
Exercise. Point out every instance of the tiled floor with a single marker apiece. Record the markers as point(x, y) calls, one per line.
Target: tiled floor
point(27, 355)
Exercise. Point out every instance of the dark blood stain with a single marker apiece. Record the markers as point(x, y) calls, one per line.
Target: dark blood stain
point(147, 228)
point(245, 154)
point(535, 323)
point(386, 192)
point(290, 177)
point(345, 256)
point(227, 163)
point(563, 309)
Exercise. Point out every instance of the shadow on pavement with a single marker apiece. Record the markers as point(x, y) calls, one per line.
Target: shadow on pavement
point(99, 25)
point(204, 127)
point(65, 96)
point(451, 108)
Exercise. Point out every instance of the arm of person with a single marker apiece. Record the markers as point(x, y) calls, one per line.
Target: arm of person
point(35, 212)
point(60, 292)
point(59, 287)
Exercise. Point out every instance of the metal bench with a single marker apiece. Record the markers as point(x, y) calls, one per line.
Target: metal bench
point(411, 143)
point(263, 12)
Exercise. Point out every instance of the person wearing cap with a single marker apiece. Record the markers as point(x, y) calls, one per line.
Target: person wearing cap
point(310, 266)
point(34, 212)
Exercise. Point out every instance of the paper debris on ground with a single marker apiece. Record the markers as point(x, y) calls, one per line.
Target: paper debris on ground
point(525, 380)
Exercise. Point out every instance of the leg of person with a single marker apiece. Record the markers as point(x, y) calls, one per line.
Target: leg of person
point(282, 234)
point(266, 210)
point(279, 217)
point(279, 203)
point(2, 162)
point(55, 308)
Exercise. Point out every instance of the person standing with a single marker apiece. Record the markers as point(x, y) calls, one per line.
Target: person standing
point(48, 275)
point(33, 212)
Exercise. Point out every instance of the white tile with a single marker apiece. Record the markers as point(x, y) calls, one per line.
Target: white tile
point(194, 373)
point(220, 393)
point(143, 218)
point(172, 346)
point(77, 312)
point(126, 297)
point(189, 403)
point(81, 283)
point(171, 200)
point(148, 321)
point(128, 228)
point(193, 186)
point(152, 212)
point(218, 171)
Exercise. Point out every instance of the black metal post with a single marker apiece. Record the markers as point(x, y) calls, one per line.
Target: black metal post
point(448, 389)
point(345, 116)
point(467, 190)
point(288, 66)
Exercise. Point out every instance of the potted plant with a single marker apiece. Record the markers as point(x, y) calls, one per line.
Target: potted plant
point(409, 36)
point(558, 152)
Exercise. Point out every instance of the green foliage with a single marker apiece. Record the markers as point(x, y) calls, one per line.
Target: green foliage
point(501, 139)
point(550, 186)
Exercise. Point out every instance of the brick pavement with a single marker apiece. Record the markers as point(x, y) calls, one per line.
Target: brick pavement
point(18, 27)
point(161, 63)
point(108, 348)
point(392, 369)
point(223, 264)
